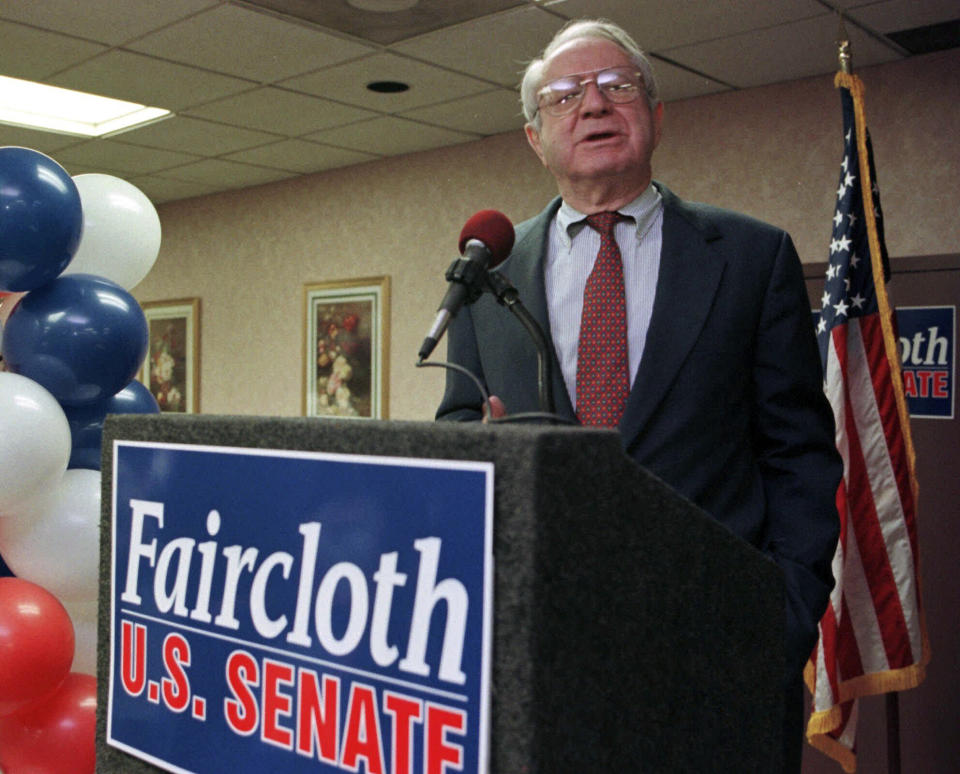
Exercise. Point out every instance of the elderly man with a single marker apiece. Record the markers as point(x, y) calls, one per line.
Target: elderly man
point(684, 326)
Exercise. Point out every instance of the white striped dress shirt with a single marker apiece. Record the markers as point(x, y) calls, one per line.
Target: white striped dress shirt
point(571, 252)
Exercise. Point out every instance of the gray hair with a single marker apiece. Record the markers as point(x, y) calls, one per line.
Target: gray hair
point(584, 28)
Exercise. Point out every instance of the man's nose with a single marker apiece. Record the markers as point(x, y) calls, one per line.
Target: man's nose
point(594, 101)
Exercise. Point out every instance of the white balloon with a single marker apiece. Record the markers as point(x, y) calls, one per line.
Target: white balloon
point(121, 231)
point(83, 615)
point(34, 441)
point(54, 540)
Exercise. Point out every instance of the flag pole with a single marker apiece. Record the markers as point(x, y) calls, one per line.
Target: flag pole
point(893, 732)
point(843, 48)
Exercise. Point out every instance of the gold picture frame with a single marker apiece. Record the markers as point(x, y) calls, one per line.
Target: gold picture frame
point(346, 337)
point(171, 371)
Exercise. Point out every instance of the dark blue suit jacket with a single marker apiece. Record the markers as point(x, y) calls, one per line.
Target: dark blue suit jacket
point(727, 405)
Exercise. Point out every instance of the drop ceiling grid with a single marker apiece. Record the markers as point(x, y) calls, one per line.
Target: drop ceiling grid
point(266, 95)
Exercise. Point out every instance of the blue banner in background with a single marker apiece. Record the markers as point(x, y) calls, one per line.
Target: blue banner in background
point(927, 346)
point(927, 343)
point(299, 611)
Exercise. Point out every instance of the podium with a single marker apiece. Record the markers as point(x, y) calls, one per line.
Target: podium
point(630, 631)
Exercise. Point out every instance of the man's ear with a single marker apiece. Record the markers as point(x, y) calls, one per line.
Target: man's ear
point(533, 137)
point(657, 124)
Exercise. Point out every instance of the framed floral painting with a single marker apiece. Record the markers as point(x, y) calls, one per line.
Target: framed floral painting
point(172, 369)
point(346, 336)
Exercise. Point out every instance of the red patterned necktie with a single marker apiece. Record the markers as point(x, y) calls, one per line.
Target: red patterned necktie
point(603, 380)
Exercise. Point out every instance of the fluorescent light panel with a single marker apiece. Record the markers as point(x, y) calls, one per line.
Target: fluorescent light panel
point(53, 109)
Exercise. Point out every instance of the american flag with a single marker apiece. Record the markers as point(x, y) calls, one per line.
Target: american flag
point(872, 637)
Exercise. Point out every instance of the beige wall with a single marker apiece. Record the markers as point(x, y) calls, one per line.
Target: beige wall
point(772, 152)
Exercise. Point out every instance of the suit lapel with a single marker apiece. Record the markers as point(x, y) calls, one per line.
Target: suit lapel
point(690, 272)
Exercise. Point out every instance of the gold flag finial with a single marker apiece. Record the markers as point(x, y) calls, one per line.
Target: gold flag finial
point(843, 47)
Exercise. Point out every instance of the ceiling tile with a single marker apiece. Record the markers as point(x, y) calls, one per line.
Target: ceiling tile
point(149, 81)
point(348, 83)
point(426, 15)
point(300, 156)
point(677, 83)
point(390, 136)
point(789, 51)
point(239, 41)
point(119, 158)
point(222, 174)
point(204, 138)
point(45, 142)
point(495, 48)
point(36, 54)
point(107, 21)
point(279, 111)
point(80, 169)
point(490, 113)
point(896, 15)
point(657, 25)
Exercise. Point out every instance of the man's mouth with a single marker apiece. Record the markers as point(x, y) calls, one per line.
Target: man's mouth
point(599, 136)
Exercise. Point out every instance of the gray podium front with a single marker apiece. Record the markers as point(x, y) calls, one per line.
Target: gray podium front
point(631, 632)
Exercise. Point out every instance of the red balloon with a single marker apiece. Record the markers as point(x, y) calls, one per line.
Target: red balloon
point(36, 644)
point(57, 736)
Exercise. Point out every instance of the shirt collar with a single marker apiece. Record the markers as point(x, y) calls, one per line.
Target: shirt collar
point(643, 209)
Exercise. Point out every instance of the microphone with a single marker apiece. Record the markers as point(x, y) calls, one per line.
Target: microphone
point(485, 241)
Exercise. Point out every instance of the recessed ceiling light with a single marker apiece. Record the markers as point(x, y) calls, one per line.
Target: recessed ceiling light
point(53, 109)
point(383, 6)
point(388, 87)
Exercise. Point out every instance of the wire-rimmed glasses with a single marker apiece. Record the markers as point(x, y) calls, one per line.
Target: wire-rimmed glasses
point(562, 95)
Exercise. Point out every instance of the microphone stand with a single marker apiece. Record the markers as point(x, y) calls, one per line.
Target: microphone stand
point(507, 295)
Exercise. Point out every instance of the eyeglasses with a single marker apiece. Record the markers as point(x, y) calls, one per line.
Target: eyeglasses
point(562, 95)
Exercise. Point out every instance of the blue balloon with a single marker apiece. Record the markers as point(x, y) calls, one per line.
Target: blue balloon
point(81, 337)
point(86, 422)
point(41, 219)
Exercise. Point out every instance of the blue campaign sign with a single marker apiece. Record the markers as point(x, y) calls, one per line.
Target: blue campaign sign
point(927, 346)
point(927, 343)
point(299, 611)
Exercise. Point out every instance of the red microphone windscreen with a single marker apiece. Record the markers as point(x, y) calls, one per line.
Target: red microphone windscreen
point(492, 228)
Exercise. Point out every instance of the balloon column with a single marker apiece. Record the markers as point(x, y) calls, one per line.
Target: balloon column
point(72, 338)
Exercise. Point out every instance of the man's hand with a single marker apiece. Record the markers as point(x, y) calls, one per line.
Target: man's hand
point(497, 409)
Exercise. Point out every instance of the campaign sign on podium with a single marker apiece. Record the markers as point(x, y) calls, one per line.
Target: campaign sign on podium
point(299, 611)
